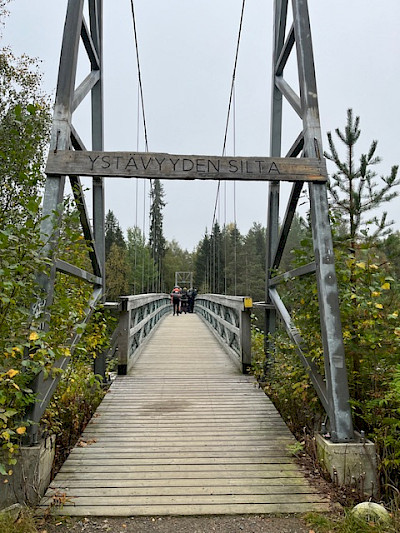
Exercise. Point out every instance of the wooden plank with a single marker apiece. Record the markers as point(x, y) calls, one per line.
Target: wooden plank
point(74, 474)
point(183, 510)
point(191, 459)
point(198, 499)
point(215, 490)
point(291, 484)
point(184, 167)
point(211, 448)
point(176, 467)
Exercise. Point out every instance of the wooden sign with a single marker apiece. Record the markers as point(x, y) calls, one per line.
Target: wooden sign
point(184, 167)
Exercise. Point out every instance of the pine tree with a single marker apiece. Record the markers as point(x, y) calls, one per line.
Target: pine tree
point(117, 273)
point(156, 236)
point(141, 266)
point(113, 233)
point(202, 264)
point(353, 188)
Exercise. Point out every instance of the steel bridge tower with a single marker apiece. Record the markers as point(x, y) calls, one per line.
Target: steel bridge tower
point(296, 39)
point(333, 390)
point(89, 33)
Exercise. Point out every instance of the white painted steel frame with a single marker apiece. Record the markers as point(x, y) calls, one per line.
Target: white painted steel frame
point(333, 388)
point(65, 137)
point(139, 316)
point(229, 319)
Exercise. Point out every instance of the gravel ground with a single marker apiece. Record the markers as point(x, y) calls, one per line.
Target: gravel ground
point(185, 524)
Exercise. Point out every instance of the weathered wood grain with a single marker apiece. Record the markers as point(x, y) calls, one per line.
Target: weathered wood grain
point(184, 433)
point(184, 167)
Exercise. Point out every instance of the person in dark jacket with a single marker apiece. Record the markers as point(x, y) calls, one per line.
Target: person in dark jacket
point(176, 299)
point(192, 293)
point(184, 300)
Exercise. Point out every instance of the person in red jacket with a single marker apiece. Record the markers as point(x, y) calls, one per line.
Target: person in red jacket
point(176, 294)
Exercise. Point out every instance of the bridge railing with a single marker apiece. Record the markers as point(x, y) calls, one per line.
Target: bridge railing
point(138, 317)
point(229, 319)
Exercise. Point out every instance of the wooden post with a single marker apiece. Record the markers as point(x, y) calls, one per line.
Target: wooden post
point(99, 364)
point(123, 339)
point(245, 339)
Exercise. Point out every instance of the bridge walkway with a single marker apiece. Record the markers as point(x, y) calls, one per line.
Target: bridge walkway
point(184, 434)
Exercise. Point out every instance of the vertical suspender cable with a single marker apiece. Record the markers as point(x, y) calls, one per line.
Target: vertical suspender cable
point(139, 76)
point(234, 193)
point(225, 242)
point(137, 190)
point(230, 104)
point(144, 129)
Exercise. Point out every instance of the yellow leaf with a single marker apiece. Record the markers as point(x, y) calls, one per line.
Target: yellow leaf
point(11, 373)
point(379, 306)
point(385, 286)
point(373, 267)
point(375, 293)
point(5, 435)
point(361, 265)
point(33, 336)
point(21, 430)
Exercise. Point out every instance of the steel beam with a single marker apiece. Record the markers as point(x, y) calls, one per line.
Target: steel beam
point(331, 330)
point(85, 88)
point(96, 29)
point(280, 18)
point(304, 270)
point(285, 53)
point(85, 223)
point(76, 272)
point(297, 340)
point(290, 95)
point(90, 47)
point(287, 223)
point(336, 397)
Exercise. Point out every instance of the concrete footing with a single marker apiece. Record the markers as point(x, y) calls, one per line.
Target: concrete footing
point(351, 464)
point(31, 475)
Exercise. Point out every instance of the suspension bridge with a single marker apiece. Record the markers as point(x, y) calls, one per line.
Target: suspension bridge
point(183, 430)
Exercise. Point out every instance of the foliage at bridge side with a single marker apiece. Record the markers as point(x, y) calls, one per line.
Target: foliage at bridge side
point(25, 350)
point(369, 290)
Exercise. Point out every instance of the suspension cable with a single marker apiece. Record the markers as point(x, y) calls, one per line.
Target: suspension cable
point(139, 76)
point(136, 192)
point(233, 77)
point(230, 101)
point(234, 193)
point(140, 104)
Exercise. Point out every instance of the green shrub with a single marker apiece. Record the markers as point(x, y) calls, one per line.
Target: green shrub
point(370, 306)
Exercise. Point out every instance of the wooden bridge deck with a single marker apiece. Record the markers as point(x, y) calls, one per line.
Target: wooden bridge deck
point(184, 434)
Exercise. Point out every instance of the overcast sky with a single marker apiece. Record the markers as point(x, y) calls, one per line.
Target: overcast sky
point(187, 53)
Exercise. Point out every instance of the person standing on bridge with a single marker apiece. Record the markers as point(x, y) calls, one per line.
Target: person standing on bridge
point(176, 294)
point(192, 293)
point(184, 300)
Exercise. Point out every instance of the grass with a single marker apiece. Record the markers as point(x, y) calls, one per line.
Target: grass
point(348, 523)
point(24, 522)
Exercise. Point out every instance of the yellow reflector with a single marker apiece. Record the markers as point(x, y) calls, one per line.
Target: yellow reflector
point(248, 302)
